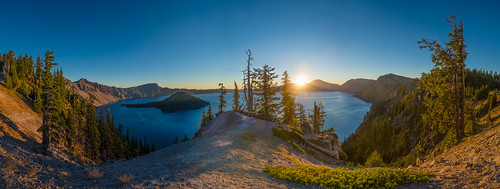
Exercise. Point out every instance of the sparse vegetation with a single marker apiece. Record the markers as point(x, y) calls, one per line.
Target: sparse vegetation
point(64, 174)
point(94, 173)
point(249, 136)
point(375, 160)
point(125, 178)
point(328, 177)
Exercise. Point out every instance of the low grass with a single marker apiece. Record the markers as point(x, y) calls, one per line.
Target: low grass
point(125, 179)
point(328, 177)
point(249, 136)
point(64, 174)
point(94, 173)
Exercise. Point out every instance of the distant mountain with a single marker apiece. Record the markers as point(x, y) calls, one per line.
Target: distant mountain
point(176, 102)
point(103, 94)
point(382, 88)
point(318, 85)
point(354, 85)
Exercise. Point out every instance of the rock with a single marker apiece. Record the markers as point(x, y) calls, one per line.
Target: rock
point(176, 102)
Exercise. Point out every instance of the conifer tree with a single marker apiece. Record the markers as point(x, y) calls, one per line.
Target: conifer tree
point(301, 114)
point(236, 98)
point(93, 135)
point(288, 102)
point(210, 115)
point(222, 102)
point(445, 85)
point(38, 71)
point(317, 118)
point(249, 88)
point(265, 89)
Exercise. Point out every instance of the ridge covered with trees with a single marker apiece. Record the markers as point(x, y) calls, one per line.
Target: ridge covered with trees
point(425, 116)
point(70, 122)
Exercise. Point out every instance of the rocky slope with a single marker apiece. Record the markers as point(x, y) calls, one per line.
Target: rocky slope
point(232, 155)
point(473, 163)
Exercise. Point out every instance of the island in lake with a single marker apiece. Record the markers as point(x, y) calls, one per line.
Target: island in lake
point(176, 102)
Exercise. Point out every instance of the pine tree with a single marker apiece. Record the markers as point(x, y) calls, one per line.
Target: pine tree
point(317, 118)
point(93, 135)
point(210, 115)
point(236, 98)
point(301, 114)
point(38, 101)
point(204, 117)
point(248, 87)
point(445, 85)
point(265, 90)
point(288, 102)
point(222, 102)
point(176, 141)
point(38, 70)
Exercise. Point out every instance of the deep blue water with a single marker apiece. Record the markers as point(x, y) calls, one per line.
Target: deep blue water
point(344, 113)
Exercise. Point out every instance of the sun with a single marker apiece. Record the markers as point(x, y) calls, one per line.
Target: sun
point(301, 80)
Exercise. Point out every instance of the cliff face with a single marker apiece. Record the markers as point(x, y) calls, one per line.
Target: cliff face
point(104, 94)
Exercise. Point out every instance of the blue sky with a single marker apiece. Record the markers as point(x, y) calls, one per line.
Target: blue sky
point(197, 44)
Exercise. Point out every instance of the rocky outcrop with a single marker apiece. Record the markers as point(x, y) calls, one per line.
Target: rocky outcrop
point(177, 102)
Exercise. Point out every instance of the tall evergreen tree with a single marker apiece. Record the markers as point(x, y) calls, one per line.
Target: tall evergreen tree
point(236, 98)
point(288, 101)
point(445, 85)
point(265, 90)
point(317, 118)
point(222, 102)
point(301, 113)
point(93, 135)
point(249, 88)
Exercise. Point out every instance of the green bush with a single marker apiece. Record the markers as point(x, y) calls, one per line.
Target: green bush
point(328, 177)
point(375, 160)
point(470, 127)
point(343, 156)
point(481, 93)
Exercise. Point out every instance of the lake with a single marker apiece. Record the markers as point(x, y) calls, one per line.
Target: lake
point(344, 113)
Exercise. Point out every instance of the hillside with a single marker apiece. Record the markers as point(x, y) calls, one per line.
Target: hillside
point(176, 102)
point(473, 163)
point(354, 85)
point(16, 118)
point(104, 94)
point(231, 153)
point(380, 89)
point(318, 85)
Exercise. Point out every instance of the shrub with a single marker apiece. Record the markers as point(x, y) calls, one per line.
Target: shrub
point(64, 174)
point(343, 156)
point(375, 160)
point(124, 179)
point(328, 177)
point(249, 136)
point(94, 173)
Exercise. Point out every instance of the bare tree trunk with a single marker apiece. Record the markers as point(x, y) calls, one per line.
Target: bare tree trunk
point(244, 90)
point(249, 82)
